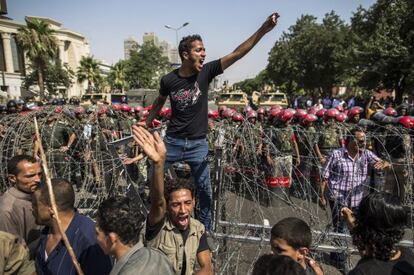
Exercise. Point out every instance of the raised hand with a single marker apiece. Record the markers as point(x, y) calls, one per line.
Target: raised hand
point(152, 145)
point(270, 22)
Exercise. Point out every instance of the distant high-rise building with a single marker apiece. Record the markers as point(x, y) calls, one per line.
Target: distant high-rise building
point(175, 58)
point(165, 48)
point(130, 44)
point(152, 37)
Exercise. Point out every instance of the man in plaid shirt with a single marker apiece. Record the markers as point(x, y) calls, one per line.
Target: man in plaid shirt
point(346, 175)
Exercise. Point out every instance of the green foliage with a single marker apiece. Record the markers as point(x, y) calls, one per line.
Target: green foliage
point(117, 76)
point(310, 55)
point(253, 84)
point(89, 71)
point(375, 51)
point(146, 66)
point(40, 45)
point(383, 45)
point(55, 76)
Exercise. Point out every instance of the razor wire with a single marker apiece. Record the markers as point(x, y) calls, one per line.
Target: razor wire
point(248, 208)
point(244, 207)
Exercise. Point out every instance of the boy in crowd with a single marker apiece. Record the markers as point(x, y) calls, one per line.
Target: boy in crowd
point(292, 237)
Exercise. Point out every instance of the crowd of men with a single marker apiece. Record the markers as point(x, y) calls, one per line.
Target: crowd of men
point(319, 144)
point(292, 145)
point(336, 150)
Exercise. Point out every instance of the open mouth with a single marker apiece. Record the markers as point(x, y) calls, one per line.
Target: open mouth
point(183, 220)
point(201, 63)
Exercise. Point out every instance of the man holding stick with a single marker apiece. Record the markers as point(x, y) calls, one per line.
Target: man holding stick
point(52, 255)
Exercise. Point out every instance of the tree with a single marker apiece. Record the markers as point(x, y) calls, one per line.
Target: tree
point(310, 55)
point(253, 84)
point(383, 38)
point(54, 76)
point(146, 66)
point(38, 41)
point(117, 76)
point(89, 71)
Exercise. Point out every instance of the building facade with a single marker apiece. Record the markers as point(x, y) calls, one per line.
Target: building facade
point(130, 44)
point(13, 64)
point(169, 51)
point(150, 37)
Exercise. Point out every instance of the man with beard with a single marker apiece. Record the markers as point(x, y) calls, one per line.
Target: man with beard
point(187, 88)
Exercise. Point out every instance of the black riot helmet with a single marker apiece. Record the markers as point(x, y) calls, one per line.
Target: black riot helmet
point(11, 106)
point(74, 101)
point(61, 101)
point(3, 109)
point(21, 105)
point(55, 102)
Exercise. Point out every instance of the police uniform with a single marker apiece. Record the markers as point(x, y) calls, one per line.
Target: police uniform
point(398, 145)
point(329, 139)
point(307, 139)
point(54, 136)
point(281, 151)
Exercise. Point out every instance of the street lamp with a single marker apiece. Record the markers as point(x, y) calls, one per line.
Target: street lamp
point(176, 33)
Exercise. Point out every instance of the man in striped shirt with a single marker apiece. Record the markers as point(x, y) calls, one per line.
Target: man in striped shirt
point(346, 175)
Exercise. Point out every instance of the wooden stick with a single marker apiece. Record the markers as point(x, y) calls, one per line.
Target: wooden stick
point(53, 202)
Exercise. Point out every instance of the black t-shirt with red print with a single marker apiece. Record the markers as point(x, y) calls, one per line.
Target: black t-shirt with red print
point(189, 100)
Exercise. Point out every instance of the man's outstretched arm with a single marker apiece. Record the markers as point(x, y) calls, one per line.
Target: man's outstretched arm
point(247, 45)
point(154, 148)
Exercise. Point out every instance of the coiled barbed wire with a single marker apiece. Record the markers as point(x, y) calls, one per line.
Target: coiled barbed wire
point(245, 208)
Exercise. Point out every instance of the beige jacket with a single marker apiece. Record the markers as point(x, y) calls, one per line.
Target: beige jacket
point(169, 240)
point(14, 256)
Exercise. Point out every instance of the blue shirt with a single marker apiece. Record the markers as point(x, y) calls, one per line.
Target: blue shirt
point(351, 102)
point(335, 102)
point(327, 103)
point(82, 237)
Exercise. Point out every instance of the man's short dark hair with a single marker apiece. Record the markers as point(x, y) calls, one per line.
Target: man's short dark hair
point(123, 216)
point(284, 265)
point(64, 194)
point(14, 162)
point(352, 133)
point(185, 44)
point(177, 184)
point(294, 231)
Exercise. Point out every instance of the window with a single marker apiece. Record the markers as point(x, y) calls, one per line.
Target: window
point(98, 97)
point(17, 55)
point(264, 97)
point(2, 60)
point(237, 97)
point(279, 97)
point(224, 97)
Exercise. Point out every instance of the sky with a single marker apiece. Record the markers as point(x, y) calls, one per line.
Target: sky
point(223, 24)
